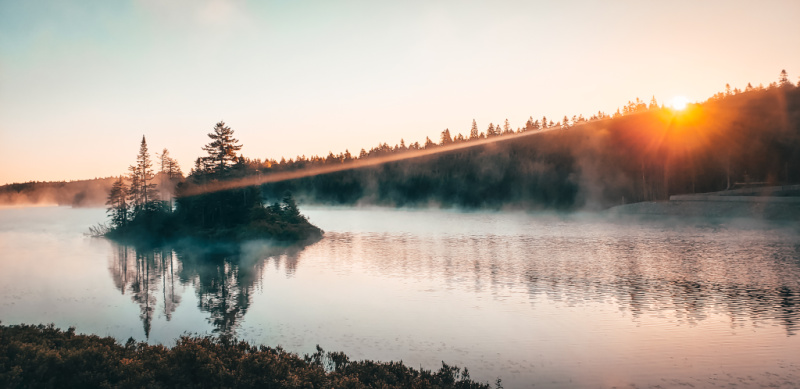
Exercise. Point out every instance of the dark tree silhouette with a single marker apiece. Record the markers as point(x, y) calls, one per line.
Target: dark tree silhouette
point(446, 138)
point(222, 148)
point(142, 189)
point(473, 132)
point(783, 78)
point(118, 204)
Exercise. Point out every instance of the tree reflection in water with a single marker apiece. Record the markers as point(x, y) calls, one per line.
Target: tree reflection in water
point(223, 278)
point(690, 276)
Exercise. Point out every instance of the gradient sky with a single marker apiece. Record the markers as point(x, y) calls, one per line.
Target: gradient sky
point(82, 81)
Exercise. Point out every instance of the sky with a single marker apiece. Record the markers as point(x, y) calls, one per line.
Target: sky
point(82, 81)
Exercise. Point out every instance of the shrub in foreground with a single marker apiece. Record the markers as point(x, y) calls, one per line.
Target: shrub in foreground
point(46, 357)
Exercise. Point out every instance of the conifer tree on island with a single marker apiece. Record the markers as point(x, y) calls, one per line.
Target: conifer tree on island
point(142, 190)
point(222, 149)
point(118, 204)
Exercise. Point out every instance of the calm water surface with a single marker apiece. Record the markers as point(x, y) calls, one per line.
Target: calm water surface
point(537, 301)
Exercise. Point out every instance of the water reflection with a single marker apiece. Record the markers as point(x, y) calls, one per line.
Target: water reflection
point(222, 278)
point(690, 276)
point(751, 276)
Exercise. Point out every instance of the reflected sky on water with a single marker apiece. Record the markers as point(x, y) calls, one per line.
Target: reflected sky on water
point(553, 301)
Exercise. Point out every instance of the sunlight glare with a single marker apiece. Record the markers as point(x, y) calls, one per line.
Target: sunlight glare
point(679, 103)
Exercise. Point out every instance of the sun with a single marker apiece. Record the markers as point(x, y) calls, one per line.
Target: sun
point(679, 103)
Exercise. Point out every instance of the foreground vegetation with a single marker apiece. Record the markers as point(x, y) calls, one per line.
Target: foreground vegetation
point(46, 357)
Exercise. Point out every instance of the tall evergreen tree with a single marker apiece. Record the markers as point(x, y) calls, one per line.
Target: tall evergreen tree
point(222, 148)
point(429, 143)
point(783, 78)
point(163, 161)
point(144, 191)
point(473, 132)
point(529, 124)
point(446, 138)
point(490, 130)
point(135, 189)
point(118, 204)
point(169, 167)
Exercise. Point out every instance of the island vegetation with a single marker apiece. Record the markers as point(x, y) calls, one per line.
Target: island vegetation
point(170, 209)
point(46, 357)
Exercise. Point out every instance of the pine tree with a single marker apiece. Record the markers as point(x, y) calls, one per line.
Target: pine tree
point(169, 167)
point(222, 148)
point(446, 138)
point(118, 204)
point(163, 161)
point(473, 132)
point(653, 103)
point(529, 124)
point(134, 192)
point(429, 143)
point(783, 78)
point(145, 190)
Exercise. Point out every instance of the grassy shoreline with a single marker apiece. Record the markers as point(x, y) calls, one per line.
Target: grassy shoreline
point(39, 356)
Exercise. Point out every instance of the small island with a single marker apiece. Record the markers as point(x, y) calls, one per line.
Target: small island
point(160, 208)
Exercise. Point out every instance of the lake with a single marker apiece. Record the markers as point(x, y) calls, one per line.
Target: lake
point(536, 300)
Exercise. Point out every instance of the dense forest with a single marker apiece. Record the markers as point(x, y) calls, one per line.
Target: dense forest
point(642, 152)
point(647, 153)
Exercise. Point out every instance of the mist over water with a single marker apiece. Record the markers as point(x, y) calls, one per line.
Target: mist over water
point(533, 299)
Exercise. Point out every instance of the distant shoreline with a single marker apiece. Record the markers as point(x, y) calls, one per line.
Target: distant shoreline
point(778, 211)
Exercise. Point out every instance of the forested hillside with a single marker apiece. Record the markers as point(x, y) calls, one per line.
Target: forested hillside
point(747, 138)
point(82, 193)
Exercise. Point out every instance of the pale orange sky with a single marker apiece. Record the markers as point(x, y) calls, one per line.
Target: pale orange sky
point(82, 81)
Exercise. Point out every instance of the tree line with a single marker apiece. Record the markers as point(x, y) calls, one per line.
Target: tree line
point(446, 137)
point(647, 153)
